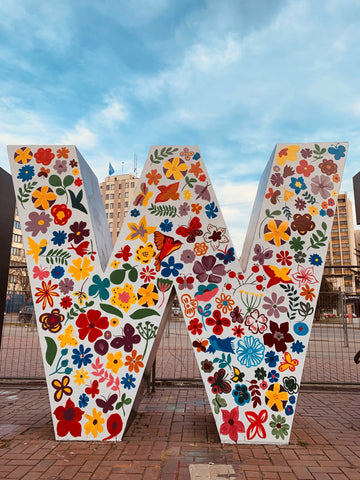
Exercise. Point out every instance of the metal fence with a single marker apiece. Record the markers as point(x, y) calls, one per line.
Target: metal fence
point(334, 341)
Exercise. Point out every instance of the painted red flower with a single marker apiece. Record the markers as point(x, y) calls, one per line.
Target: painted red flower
point(218, 322)
point(305, 169)
point(66, 302)
point(232, 426)
point(69, 419)
point(91, 324)
point(78, 182)
point(256, 424)
point(44, 156)
point(61, 214)
point(195, 326)
point(278, 337)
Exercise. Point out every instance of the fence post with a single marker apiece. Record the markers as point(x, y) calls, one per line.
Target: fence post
point(341, 310)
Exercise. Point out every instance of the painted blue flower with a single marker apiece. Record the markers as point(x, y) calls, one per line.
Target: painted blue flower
point(292, 399)
point(196, 156)
point(273, 376)
point(271, 359)
point(297, 347)
point(134, 212)
point(250, 351)
point(301, 329)
point(26, 173)
point(289, 410)
point(315, 259)
point(338, 151)
point(166, 225)
point(297, 184)
point(81, 356)
point(241, 394)
point(171, 268)
point(58, 271)
point(59, 238)
point(83, 400)
point(211, 210)
point(128, 381)
point(322, 212)
point(99, 288)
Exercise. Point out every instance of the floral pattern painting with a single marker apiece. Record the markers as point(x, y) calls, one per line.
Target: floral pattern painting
point(249, 329)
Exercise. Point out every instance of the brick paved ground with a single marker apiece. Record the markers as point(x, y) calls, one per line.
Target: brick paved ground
point(174, 437)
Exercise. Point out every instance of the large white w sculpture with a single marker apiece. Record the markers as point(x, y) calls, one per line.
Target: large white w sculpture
point(99, 309)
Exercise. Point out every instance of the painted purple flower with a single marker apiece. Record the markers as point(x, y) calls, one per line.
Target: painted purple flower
point(60, 166)
point(184, 209)
point(277, 179)
point(38, 222)
point(187, 256)
point(300, 204)
point(207, 271)
point(66, 285)
point(321, 184)
point(306, 152)
point(273, 305)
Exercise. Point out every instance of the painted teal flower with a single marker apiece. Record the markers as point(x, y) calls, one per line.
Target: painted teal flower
point(99, 288)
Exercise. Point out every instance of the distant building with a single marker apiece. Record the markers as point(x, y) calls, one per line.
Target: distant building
point(341, 250)
point(18, 277)
point(117, 192)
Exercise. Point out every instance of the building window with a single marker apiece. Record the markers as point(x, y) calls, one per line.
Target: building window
point(110, 224)
point(126, 204)
point(107, 187)
point(119, 187)
point(17, 224)
point(111, 215)
point(127, 185)
point(111, 205)
point(120, 195)
point(111, 196)
point(112, 186)
point(107, 196)
point(106, 206)
point(126, 194)
point(132, 184)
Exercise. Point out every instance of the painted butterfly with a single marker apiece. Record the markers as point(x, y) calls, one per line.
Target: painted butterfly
point(191, 231)
point(107, 405)
point(127, 340)
point(226, 256)
point(200, 345)
point(218, 382)
point(261, 254)
point(93, 389)
point(338, 151)
point(238, 376)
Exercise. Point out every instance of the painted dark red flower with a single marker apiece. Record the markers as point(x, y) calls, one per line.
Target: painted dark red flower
point(69, 419)
point(278, 337)
point(231, 425)
point(91, 324)
point(78, 232)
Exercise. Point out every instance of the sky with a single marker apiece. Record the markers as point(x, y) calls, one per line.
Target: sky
point(235, 77)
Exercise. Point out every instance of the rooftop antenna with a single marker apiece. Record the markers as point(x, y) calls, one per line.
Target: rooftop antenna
point(122, 169)
point(135, 164)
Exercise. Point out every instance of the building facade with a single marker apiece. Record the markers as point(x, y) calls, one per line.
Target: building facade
point(341, 250)
point(117, 192)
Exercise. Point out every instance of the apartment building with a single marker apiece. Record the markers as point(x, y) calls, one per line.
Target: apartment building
point(18, 277)
point(341, 250)
point(117, 192)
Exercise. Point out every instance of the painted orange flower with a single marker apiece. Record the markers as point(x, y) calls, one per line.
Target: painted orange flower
point(196, 169)
point(62, 153)
point(133, 362)
point(200, 248)
point(186, 153)
point(196, 207)
point(153, 177)
point(308, 293)
point(224, 303)
point(45, 294)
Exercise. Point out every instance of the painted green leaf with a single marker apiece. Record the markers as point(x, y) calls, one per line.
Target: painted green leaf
point(110, 309)
point(76, 201)
point(51, 350)
point(60, 191)
point(55, 181)
point(133, 275)
point(143, 313)
point(68, 180)
point(117, 276)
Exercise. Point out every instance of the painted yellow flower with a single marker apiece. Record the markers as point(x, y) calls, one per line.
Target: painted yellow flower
point(80, 377)
point(114, 264)
point(81, 297)
point(334, 193)
point(81, 268)
point(142, 230)
point(124, 297)
point(67, 338)
point(114, 322)
point(176, 168)
point(95, 423)
point(43, 198)
point(313, 210)
point(187, 194)
point(23, 155)
point(277, 233)
point(287, 154)
point(75, 172)
point(276, 398)
point(288, 195)
point(114, 361)
point(147, 295)
point(145, 253)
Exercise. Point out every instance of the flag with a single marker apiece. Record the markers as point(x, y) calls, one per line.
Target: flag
point(111, 169)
